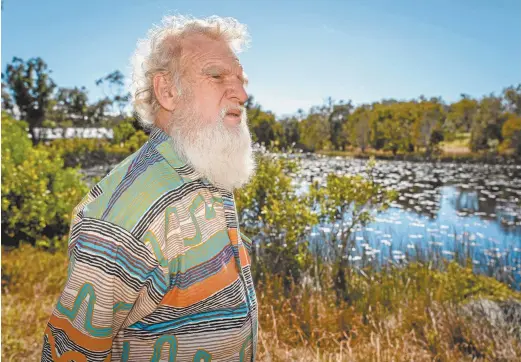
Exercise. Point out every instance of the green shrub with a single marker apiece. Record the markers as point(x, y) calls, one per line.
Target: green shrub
point(122, 132)
point(270, 207)
point(38, 193)
point(88, 152)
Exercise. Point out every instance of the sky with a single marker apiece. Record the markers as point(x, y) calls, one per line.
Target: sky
point(302, 52)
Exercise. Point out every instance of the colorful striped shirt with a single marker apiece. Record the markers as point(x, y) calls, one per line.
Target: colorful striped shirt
point(158, 269)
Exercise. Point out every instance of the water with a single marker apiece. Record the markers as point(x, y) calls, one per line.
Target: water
point(444, 209)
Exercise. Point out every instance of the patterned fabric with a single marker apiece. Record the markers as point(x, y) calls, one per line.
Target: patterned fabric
point(158, 269)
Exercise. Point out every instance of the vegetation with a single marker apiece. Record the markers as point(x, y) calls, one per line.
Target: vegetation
point(415, 313)
point(314, 304)
point(421, 126)
point(38, 193)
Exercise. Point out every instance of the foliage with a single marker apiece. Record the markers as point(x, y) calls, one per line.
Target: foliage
point(116, 98)
point(28, 86)
point(358, 127)
point(396, 127)
point(345, 203)
point(88, 152)
point(269, 207)
point(122, 132)
point(315, 132)
point(487, 123)
point(38, 193)
point(264, 129)
point(414, 313)
point(461, 115)
point(511, 132)
point(31, 88)
point(70, 104)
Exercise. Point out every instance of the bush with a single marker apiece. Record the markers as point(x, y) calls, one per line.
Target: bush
point(122, 132)
point(270, 209)
point(38, 193)
point(511, 133)
point(90, 152)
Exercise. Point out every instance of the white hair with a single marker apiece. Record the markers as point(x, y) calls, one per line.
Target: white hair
point(221, 153)
point(160, 52)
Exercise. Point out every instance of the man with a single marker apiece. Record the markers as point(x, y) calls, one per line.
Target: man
point(158, 268)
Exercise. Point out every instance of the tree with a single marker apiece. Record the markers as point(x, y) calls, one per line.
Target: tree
point(264, 128)
point(290, 127)
point(511, 132)
point(512, 96)
point(487, 124)
point(7, 101)
point(315, 130)
point(461, 115)
point(38, 192)
point(116, 97)
point(428, 125)
point(31, 87)
point(391, 126)
point(358, 127)
point(337, 118)
point(71, 104)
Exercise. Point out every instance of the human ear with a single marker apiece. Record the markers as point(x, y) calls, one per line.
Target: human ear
point(164, 91)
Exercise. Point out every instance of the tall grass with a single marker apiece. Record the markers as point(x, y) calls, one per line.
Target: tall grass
point(411, 313)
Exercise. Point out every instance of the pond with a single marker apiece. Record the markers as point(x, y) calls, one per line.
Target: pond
point(444, 210)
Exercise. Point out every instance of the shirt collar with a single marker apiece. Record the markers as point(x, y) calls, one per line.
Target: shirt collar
point(163, 143)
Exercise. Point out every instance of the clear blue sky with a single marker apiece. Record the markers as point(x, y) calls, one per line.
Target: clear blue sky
point(302, 51)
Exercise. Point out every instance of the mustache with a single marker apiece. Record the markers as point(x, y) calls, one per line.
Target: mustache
point(239, 110)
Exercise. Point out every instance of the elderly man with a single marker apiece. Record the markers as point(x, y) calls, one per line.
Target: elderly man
point(159, 270)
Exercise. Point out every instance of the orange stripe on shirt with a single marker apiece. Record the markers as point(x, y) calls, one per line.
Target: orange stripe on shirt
point(232, 234)
point(90, 343)
point(201, 290)
point(243, 254)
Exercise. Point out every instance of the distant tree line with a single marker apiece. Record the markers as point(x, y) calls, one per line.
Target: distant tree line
point(29, 93)
point(491, 123)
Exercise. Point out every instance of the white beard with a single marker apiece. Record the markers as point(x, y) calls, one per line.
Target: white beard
point(223, 154)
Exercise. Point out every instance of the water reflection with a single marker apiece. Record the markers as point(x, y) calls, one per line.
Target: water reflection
point(444, 210)
point(490, 192)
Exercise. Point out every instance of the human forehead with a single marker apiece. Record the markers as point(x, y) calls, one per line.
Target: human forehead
point(203, 52)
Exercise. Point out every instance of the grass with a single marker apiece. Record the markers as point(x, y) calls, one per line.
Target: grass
point(459, 145)
point(412, 313)
point(31, 283)
point(455, 150)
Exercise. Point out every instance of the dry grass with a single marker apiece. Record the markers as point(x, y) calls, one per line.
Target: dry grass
point(410, 314)
point(31, 283)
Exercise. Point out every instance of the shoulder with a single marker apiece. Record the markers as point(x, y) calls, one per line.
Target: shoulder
point(132, 192)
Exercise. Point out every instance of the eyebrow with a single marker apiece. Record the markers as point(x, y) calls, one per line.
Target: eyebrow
point(216, 69)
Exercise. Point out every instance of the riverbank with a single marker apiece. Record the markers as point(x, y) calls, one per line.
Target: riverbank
point(448, 157)
point(413, 313)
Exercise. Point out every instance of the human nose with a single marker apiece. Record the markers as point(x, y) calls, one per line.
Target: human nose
point(238, 92)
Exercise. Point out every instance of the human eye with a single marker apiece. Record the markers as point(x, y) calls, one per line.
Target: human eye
point(215, 73)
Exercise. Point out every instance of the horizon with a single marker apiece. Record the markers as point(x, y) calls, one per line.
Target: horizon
point(360, 51)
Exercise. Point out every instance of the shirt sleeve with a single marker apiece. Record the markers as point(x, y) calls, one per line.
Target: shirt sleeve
point(248, 244)
point(113, 280)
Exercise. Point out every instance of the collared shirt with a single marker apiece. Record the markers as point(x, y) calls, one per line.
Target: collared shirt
point(158, 269)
